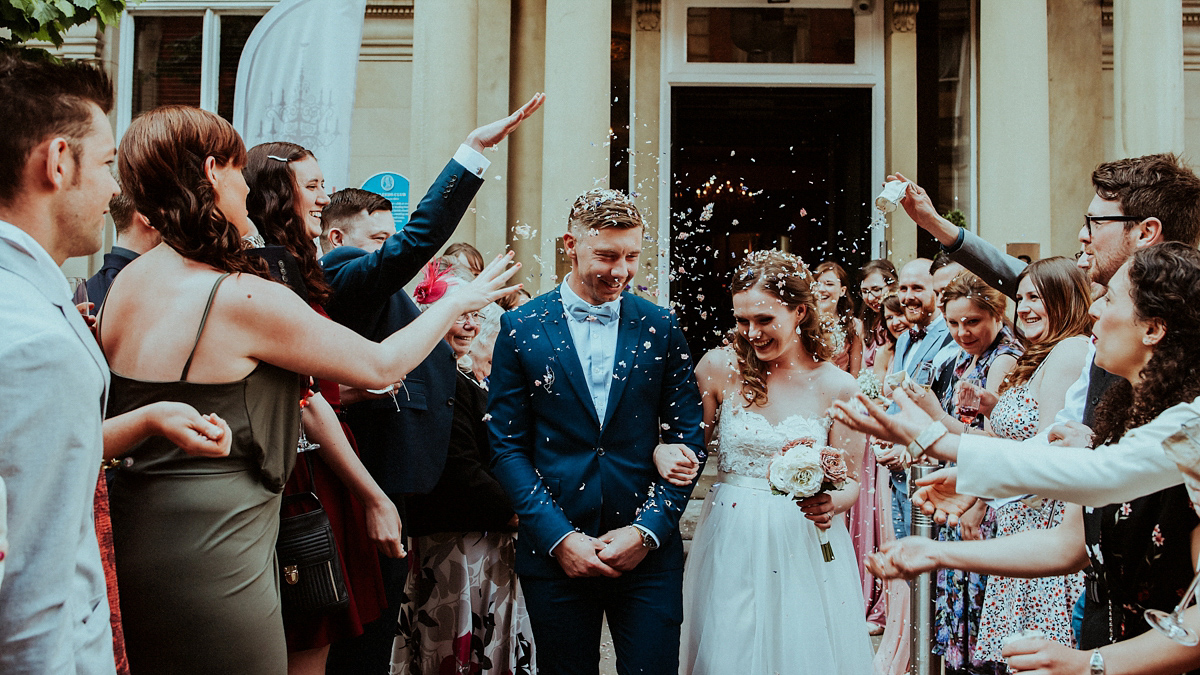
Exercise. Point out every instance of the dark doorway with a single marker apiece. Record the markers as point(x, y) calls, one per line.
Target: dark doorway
point(759, 168)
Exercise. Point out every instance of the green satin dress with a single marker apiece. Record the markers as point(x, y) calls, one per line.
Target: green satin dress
point(195, 536)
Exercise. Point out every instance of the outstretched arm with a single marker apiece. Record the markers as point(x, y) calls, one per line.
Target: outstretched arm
point(680, 414)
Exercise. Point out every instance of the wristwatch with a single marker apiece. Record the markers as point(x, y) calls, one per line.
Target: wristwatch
point(1096, 665)
point(648, 539)
point(926, 438)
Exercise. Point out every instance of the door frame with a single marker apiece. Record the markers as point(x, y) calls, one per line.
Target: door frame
point(867, 71)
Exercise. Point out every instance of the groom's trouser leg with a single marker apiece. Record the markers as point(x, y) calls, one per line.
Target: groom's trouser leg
point(566, 615)
point(645, 612)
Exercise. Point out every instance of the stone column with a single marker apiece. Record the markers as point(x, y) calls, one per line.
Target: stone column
point(576, 119)
point(1148, 108)
point(900, 93)
point(644, 160)
point(524, 182)
point(1076, 125)
point(1014, 128)
point(491, 218)
point(445, 87)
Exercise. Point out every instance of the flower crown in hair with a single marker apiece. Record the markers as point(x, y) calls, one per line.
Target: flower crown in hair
point(755, 258)
point(433, 287)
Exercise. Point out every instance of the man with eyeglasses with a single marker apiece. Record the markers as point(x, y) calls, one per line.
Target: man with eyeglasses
point(1139, 202)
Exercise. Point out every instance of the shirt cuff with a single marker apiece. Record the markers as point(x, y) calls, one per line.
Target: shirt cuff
point(560, 539)
point(472, 160)
point(649, 532)
point(952, 248)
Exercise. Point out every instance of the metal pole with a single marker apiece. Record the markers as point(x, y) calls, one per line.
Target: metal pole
point(921, 609)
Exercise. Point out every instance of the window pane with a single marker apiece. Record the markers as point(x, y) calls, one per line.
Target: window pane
point(235, 30)
point(166, 58)
point(770, 35)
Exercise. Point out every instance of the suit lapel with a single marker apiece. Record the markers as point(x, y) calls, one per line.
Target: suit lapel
point(562, 349)
point(627, 341)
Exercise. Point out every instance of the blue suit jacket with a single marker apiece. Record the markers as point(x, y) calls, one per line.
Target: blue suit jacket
point(404, 451)
point(564, 468)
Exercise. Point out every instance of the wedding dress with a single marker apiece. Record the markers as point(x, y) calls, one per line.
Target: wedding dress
point(758, 596)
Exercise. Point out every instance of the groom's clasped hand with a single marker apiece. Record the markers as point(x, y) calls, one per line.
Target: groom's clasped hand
point(608, 555)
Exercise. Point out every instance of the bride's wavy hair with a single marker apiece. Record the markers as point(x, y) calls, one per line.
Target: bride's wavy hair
point(1164, 284)
point(785, 277)
point(161, 162)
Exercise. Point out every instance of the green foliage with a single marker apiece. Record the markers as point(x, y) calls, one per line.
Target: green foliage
point(957, 218)
point(48, 20)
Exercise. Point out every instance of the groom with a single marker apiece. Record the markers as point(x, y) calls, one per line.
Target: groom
point(586, 380)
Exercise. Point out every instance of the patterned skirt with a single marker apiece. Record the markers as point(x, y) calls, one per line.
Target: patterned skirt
point(1012, 605)
point(462, 609)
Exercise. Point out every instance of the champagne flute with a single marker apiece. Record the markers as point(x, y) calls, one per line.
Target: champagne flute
point(391, 391)
point(1181, 444)
point(924, 375)
point(78, 286)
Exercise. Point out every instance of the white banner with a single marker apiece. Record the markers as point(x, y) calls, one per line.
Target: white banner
point(296, 80)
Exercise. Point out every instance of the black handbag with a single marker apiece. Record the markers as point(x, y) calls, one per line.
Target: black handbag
point(310, 570)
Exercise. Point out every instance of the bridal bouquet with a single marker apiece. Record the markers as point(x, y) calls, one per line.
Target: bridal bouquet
point(804, 469)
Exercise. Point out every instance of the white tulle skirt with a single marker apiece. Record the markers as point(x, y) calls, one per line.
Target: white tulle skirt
point(759, 598)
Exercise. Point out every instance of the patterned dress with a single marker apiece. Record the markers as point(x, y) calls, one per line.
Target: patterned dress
point(1141, 559)
point(958, 595)
point(1011, 605)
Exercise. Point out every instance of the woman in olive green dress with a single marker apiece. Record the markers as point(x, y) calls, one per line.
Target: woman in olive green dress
point(196, 320)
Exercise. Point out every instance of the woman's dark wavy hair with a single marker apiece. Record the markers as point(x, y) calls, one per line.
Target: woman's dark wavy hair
point(1066, 294)
point(272, 206)
point(1164, 284)
point(161, 162)
point(872, 321)
point(891, 303)
point(783, 276)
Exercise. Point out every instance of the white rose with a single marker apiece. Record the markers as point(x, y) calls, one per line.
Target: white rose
point(797, 472)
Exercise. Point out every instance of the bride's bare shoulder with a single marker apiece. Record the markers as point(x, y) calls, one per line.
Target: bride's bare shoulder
point(719, 363)
point(836, 381)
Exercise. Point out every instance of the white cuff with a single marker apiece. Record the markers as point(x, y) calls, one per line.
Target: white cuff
point(649, 532)
point(472, 161)
point(560, 539)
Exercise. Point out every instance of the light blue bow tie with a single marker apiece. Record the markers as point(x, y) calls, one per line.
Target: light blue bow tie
point(582, 311)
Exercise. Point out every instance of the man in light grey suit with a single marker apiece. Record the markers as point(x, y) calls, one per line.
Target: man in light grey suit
point(55, 183)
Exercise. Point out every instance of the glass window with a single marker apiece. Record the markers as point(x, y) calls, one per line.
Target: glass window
point(167, 60)
point(168, 57)
point(769, 35)
point(235, 30)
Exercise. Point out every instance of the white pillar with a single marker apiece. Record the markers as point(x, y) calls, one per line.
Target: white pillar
point(445, 86)
point(1014, 127)
point(1148, 106)
point(575, 138)
point(491, 217)
point(524, 178)
point(900, 94)
point(645, 179)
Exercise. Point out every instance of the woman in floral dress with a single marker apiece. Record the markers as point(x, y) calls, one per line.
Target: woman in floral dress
point(974, 313)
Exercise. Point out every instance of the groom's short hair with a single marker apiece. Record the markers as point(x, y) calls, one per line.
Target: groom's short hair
point(604, 207)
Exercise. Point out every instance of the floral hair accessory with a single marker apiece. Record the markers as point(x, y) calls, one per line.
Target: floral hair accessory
point(434, 286)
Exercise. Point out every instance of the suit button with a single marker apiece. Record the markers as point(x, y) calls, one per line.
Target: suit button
point(450, 401)
point(600, 451)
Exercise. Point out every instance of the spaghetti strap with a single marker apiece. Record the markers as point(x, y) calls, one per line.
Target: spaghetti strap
point(199, 331)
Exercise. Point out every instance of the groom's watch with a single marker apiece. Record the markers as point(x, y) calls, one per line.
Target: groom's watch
point(1096, 665)
point(647, 538)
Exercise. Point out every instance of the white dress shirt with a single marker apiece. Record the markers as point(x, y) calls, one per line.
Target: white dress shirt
point(596, 345)
point(1133, 467)
point(472, 160)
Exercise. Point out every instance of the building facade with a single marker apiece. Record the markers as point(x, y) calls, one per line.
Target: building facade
point(739, 124)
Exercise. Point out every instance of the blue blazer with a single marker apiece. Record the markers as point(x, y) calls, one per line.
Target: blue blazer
point(404, 451)
point(564, 468)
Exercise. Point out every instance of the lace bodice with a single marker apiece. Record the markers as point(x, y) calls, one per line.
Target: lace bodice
point(747, 441)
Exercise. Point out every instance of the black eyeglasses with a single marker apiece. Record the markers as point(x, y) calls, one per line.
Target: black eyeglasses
point(1088, 220)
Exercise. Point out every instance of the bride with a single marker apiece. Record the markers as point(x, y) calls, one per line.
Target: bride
point(758, 596)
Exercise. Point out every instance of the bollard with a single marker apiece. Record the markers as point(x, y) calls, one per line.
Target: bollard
point(921, 608)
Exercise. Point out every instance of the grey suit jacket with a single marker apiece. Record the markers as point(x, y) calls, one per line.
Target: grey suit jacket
point(996, 268)
point(53, 604)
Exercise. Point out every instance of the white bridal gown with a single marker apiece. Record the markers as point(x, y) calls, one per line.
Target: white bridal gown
point(757, 595)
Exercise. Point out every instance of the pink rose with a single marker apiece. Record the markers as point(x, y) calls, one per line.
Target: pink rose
point(834, 465)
